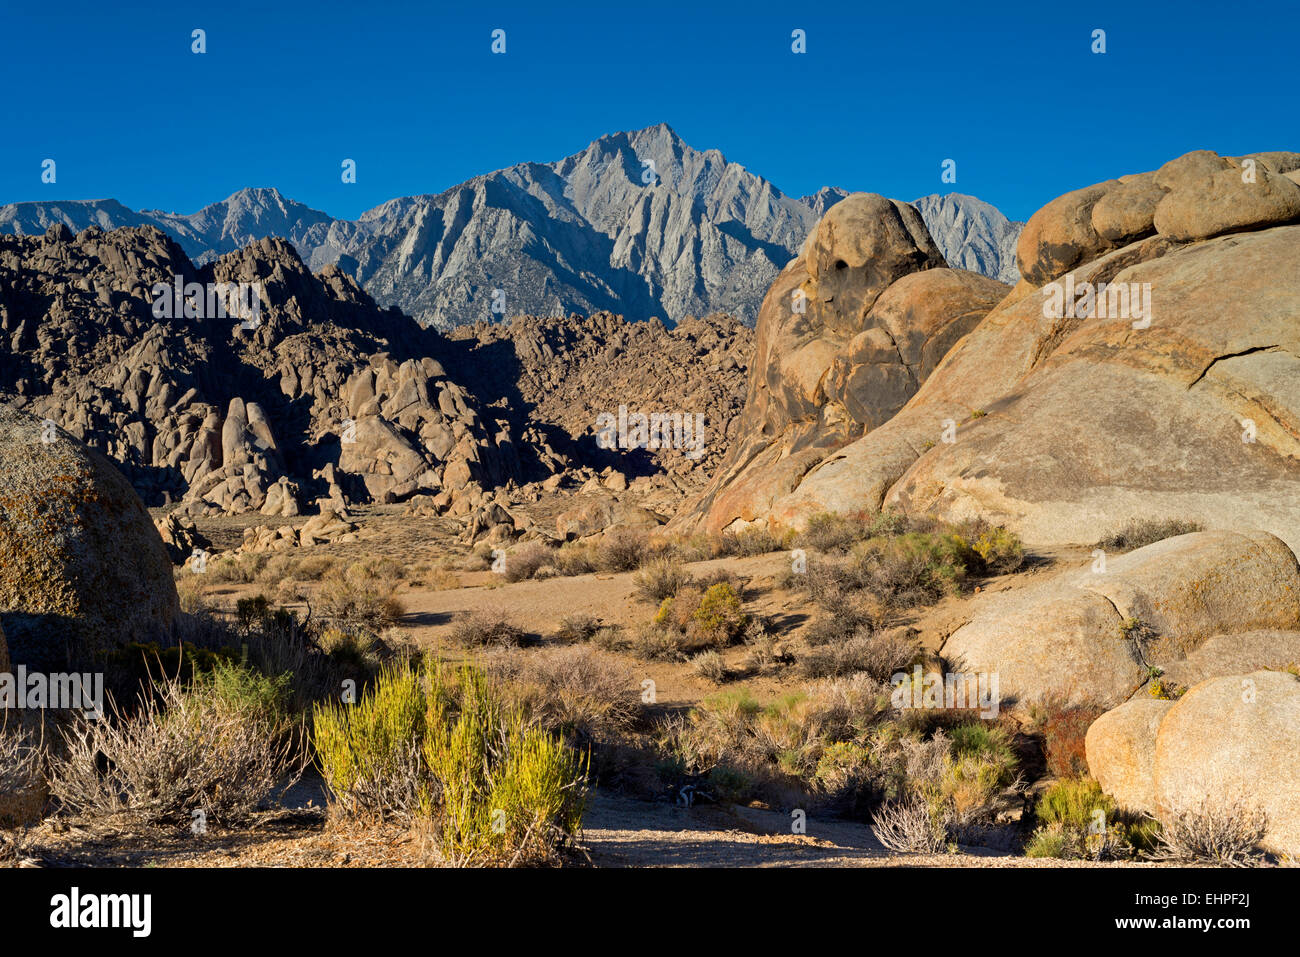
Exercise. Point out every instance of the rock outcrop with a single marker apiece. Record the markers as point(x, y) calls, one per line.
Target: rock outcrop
point(233, 413)
point(82, 567)
point(1178, 398)
point(1097, 635)
point(556, 377)
point(846, 335)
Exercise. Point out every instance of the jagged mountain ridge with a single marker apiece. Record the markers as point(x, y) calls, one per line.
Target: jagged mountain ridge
point(583, 234)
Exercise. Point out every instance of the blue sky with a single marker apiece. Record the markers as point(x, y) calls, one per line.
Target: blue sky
point(411, 91)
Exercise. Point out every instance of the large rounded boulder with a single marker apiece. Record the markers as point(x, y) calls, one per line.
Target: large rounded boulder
point(1232, 741)
point(82, 567)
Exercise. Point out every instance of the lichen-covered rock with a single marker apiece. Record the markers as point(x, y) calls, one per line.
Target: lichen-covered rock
point(82, 567)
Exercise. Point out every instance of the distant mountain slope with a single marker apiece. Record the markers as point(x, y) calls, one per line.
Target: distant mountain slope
point(638, 223)
point(972, 234)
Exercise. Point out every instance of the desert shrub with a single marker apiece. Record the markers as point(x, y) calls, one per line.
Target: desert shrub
point(192, 592)
point(578, 692)
point(879, 654)
point(222, 746)
point(1215, 831)
point(22, 763)
point(369, 752)
point(1000, 551)
point(718, 618)
point(912, 825)
point(855, 616)
point(359, 598)
point(710, 666)
point(574, 559)
point(243, 569)
point(1078, 820)
point(1142, 532)
point(831, 532)
point(722, 576)
point(1064, 728)
point(914, 568)
point(487, 628)
point(313, 568)
point(622, 551)
point(655, 643)
point(577, 629)
point(696, 619)
point(507, 792)
point(355, 651)
point(696, 548)
point(524, 562)
point(749, 541)
point(902, 571)
point(660, 579)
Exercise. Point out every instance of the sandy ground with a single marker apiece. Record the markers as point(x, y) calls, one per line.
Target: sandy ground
point(620, 830)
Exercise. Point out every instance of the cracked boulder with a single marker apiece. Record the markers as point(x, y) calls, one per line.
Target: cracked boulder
point(1096, 635)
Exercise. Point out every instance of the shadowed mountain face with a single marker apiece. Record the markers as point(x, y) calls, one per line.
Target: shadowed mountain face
point(638, 223)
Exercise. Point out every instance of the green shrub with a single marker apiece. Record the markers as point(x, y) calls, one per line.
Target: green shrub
point(368, 752)
point(1000, 551)
point(449, 750)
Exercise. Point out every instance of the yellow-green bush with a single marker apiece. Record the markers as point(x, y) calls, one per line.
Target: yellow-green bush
point(448, 749)
point(368, 751)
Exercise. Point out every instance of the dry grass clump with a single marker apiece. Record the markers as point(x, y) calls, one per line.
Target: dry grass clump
point(1226, 833)
point(222, 746)
point(879, 654)
point(750, 541)
point(660, 579)
point(525, 561)
point(1142, 532)
point(22, 785)
point(575, 558)
point(362, 596)
point(241, 569)
point(710, 666)
point(580, 692)
point(487, 628)
point(577, 629)
point(831, 532)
